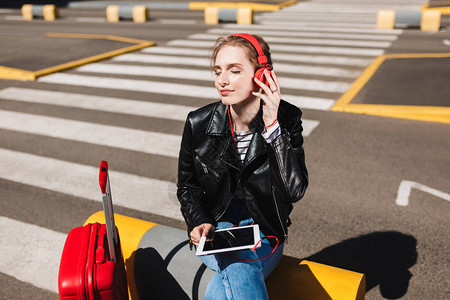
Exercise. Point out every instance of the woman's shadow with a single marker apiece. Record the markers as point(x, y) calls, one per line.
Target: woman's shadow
point(384, 257)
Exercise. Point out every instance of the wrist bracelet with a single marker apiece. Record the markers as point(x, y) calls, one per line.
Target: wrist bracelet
point(273, 123)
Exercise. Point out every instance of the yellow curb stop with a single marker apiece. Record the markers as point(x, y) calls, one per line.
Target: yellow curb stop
point(292, 279)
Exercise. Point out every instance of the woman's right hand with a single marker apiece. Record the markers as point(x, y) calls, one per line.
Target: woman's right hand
point(205, 229)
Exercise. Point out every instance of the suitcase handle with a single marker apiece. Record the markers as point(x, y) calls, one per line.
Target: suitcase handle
point(103, 176)
point(111, 231)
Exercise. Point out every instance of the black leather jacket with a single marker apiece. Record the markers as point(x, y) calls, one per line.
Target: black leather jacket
point(273, 176)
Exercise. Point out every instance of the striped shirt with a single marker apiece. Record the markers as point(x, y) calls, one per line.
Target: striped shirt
point(244, 137)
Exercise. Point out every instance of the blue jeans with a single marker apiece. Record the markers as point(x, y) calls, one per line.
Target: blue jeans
point(236, 279)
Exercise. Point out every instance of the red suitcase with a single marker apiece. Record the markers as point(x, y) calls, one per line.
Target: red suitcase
point(92, 265)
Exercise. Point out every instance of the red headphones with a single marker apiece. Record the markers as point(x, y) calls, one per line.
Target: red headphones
point(262, 58)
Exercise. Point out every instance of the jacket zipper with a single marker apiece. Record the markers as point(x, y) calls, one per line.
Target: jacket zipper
point(205, 168)
point(230, 197)
point(279, 217)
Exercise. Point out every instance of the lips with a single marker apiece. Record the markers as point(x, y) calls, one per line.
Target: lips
point(225, 92)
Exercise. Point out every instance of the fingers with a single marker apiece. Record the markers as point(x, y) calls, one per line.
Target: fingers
point(273, 88)
point(201, 230)
point(270, 95)
point(275, 80)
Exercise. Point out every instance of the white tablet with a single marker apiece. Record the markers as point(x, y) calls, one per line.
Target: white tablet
point(230, 239)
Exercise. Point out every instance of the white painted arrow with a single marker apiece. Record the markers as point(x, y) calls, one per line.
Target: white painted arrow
point(404, 190)
point(446, 42)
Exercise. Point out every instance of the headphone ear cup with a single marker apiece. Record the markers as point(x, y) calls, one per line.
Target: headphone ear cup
point(259, 74)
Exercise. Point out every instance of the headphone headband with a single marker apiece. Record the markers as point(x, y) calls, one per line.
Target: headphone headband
point(262, 58)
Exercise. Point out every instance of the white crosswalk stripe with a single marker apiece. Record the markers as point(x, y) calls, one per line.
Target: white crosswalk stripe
point(332, 29)
point(310, 41)
point(118, 137)
point(167, 88)
point(202, 75)
point(30, 253)
point(98, 103)
point(203, 62)
point(132, 191)
point(112, 136)
point(276, 29)
point(291, 48)
point(317, 59)
point(317, 48)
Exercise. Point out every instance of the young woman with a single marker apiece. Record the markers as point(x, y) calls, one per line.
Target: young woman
point(242, 162)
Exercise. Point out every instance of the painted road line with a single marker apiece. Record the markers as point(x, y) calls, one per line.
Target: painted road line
point(165, 88)
point(201, 75)
point(405, 187)
point(203, 62)
point(163, 59)
point(90, 20)
point(131, 191)
point(305, 16)
point(165, 72)
point(309, 126)
point(269, 30)
point(321, 29)
point(30, 253)
point(178, 22)
point(332, 6)
point(318, 24)
point(318, 59)
point(291, 48)
point(314, 85)
point(98, 103)
point(185, 90)
point(14, 18)
point(316, 7)
point(333, 18)
point(310, 102)
point(310, 41)
point(301, 12)
point(98, 134)
point(176, 51)
point(293, 10)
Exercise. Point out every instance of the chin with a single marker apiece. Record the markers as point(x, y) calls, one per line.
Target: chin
point(229, 100)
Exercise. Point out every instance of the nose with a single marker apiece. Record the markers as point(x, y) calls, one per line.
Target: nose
point(222, 79)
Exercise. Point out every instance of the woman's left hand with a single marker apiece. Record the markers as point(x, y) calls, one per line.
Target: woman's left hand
point(270, 95)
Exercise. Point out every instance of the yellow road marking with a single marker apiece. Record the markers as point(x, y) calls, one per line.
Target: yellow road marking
point(19, 74)
point(444, 8)
point(422, 113)
point(254, 6)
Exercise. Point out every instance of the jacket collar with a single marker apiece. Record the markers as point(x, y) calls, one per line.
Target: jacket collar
point(219, 123)
point(219, 126)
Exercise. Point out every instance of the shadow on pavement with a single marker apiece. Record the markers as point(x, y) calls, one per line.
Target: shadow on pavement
point(384, 257)
point(153, 280)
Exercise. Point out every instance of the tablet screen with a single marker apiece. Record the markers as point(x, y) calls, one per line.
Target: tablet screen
point(231, 239)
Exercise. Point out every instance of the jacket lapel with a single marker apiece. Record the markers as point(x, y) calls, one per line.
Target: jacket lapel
point(256, 148)
point(219, 126)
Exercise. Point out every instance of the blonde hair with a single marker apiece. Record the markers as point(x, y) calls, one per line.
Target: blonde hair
point(237, 41)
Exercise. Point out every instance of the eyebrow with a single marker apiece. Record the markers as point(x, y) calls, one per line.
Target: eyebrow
point(229, 66)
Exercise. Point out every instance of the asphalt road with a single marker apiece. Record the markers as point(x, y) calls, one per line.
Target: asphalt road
point(378, 200)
